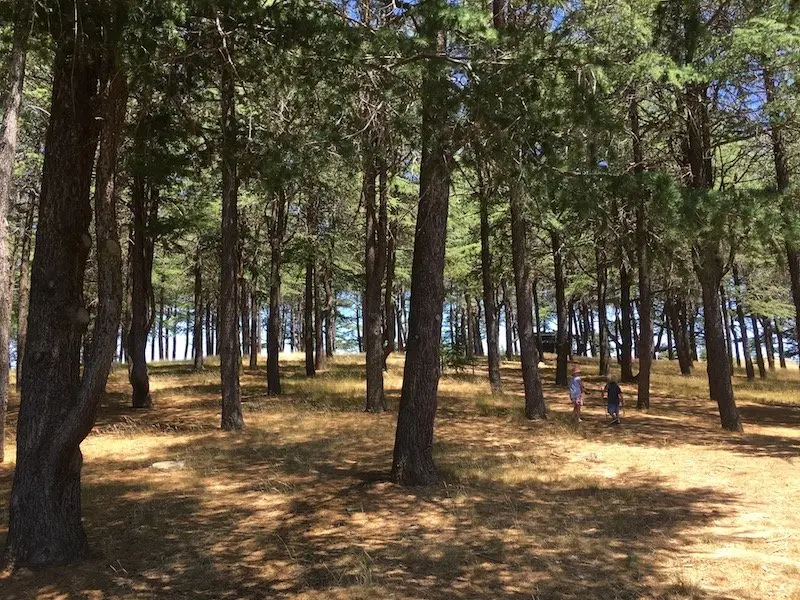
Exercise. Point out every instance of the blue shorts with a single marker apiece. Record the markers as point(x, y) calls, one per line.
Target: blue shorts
point(613, 409)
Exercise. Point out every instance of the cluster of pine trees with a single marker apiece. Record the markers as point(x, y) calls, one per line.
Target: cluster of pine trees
point(376, 174)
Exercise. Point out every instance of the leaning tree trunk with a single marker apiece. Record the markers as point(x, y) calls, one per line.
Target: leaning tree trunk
point(412, 462)
point(489, 308)
point(562, 317)
point(59, 401)
point(229, 347)
point(277, 231)
point(375, 207)
point(8, 148)
point(709, 269)
point(535, 407)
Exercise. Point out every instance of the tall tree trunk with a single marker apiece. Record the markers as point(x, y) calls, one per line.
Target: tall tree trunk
point(160, 333)
point(762, 369)
point(308, 318)
point(59, 402)
point(748, 360)
point(734, 341)
point(727, 324)
point(390, 325)
point(277, 231)
point(670, 345)
point(359, 337)
point(197, 345)
point(412, 462)
point(492, 343)
point(535, 407)
point(255, 327)
point(767, 325)
point(229, 344)
point(8, 147)
point(466, 324)
point(375, 207)
point(781, 350)
point(244, 311)
point(330, 307)
point(625, 282)
point(209, 330)
point(601, 266)
point(562, 322)
point(24, 291)
point(509, 312)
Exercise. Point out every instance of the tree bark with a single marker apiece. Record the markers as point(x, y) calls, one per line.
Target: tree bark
point(412, 462)
point(535, 407)
point(24, 291)
point(277, 231)
point(562, 322)
point(601, 266)
point(509, 312)
point(23, 17)
point(197, 345)
point(308, 318)
point(748, 360)
point(492, 343)
point(376, 207)
point(762, 369)
point(727, 324)
point(160, 334)
point(59, 402)
point(781, 350)
point(625, 281)
point(228, 320)
point(767, 326)
point(390, 324)
point(255, 326)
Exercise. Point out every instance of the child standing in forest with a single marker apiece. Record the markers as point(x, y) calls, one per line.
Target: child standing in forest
point(576, 392)
point(613, 393)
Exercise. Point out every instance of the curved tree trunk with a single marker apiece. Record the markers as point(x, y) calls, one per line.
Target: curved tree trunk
point(59, 402)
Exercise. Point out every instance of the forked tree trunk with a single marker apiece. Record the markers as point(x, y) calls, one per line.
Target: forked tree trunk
point(8, 146)
point(412, 462)
point(535, 407)
point(59, 402)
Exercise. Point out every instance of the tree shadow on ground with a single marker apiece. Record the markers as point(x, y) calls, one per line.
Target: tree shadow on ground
point(284, 520)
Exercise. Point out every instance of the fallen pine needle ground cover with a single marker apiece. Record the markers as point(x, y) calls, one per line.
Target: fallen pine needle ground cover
point(298, 506)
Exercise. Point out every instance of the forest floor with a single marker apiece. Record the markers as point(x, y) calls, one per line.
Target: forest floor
point(666, 506)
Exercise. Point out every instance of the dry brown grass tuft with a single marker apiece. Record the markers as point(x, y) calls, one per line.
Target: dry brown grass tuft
point(665, 507)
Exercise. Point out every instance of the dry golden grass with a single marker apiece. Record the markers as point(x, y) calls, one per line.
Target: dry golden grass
point(667, 507)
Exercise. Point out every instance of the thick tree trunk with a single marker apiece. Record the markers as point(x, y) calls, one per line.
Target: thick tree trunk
point(8, 147)
point(709, 269)
point(412, 462)
point(228, 320)
point(748, 360)
point(375, 206)
point(197, 344)
point(59, 402)
point(24, 292)
point(274, 327)
point(535, 407)
point(492, 343)
point(562, 323)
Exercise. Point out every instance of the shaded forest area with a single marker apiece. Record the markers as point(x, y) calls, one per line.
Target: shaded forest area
point(422, 178)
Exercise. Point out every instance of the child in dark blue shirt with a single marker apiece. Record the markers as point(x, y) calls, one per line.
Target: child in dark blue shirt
point(613, 394)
